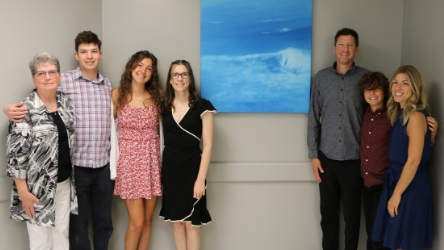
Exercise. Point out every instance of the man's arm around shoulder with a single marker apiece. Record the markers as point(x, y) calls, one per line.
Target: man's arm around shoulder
point(15, 112)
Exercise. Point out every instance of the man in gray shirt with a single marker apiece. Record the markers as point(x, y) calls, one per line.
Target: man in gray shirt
point(333, 141)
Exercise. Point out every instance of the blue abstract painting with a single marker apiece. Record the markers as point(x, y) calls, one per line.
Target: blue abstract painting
point(256, 55)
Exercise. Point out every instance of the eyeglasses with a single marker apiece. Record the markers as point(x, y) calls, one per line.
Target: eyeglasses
point(42, 74)
point(184, 75)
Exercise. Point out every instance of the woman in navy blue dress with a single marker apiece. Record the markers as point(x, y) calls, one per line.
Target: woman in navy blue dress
point(403, 220)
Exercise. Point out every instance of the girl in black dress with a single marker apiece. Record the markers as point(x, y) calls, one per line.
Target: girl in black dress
point(187, 119)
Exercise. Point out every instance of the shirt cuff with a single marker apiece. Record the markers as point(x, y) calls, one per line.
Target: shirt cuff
point(17, 173)
point(313, 154)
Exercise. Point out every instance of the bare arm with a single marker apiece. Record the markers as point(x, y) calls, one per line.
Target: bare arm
point(15, 112)
point(207, 137)
point(114, 98)
point(416, 130)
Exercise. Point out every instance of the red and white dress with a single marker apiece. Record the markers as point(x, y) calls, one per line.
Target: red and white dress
point(138, 168)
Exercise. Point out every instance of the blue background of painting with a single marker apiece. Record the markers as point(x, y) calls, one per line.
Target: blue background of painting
point(256, 55)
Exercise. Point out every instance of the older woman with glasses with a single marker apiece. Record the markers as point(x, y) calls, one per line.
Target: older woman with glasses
point(39, 151)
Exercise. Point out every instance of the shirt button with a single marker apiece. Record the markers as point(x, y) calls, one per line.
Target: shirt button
point(366, 172)
point(340, 115)
point(369, 133)
point(339, 140)
point(366, 159)
point(372, 119)
point(368, 146)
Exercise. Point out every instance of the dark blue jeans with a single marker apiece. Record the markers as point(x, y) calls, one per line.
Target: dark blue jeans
point(94, 189)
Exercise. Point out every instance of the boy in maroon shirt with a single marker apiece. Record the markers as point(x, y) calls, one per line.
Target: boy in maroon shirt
point(375, 135)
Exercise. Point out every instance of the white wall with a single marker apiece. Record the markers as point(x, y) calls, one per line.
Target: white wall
point(261, 191)
point(26, 28)
point(422, 47)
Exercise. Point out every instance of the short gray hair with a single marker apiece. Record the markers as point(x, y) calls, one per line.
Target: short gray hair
point(43, 57)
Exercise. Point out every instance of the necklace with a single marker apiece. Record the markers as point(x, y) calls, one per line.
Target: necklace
point(138, 95)
point(139, 100)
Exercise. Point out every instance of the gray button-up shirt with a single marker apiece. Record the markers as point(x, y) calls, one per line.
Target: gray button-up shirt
point(336, 98)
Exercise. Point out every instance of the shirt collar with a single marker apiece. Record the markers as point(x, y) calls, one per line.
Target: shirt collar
point(78, 74)
point(350, 70)
point(378, 111)
point(40, 105)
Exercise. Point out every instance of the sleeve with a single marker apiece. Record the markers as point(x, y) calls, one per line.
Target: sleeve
point(18, 145)
point(314, 126)
point(114, 139)
point(206, 106)
point(62, 87)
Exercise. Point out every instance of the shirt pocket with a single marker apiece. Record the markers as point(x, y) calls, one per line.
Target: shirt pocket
point(42, 134)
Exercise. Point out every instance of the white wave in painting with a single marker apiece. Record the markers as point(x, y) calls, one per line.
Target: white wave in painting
point(270, 20)
point(270, 82)
point(284, 30)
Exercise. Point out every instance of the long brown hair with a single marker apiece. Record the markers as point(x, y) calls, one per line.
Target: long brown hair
point(193, 98)
point(152, 85)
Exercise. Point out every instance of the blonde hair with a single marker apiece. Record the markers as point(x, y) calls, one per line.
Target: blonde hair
point(418, 100)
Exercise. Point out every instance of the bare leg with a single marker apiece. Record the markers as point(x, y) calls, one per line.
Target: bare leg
point(144, 240)
point(193, 236)
point(180, 236)
point(136, 216)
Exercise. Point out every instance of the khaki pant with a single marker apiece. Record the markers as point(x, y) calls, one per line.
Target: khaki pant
point(55, 238)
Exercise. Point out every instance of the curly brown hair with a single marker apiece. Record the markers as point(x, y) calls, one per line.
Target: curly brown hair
point(87, 37)
point(152, 86)
point(375, 80)
point(169, 92)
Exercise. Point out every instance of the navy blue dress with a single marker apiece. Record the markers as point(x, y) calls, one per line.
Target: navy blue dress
point(411, 229)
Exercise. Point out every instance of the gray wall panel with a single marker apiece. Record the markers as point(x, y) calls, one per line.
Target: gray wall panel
point(261, 191)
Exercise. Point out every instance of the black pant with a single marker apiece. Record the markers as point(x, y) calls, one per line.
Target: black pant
point(370, 200)
point(341, 184)
point(94, 187)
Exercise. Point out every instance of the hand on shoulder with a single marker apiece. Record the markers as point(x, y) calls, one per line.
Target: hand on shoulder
point(15, 112)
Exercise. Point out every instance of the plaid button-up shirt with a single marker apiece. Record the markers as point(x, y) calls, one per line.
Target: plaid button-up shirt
point(92, 110)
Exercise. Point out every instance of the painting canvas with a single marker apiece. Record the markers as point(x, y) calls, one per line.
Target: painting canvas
point(256, 55)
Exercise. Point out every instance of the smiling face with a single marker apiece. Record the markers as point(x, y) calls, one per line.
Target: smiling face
point(89, 56)
point(42, 79)
point(143, 71)
point(345, 50)
point(179, 84)
point(374, 98)
point(401, 89)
